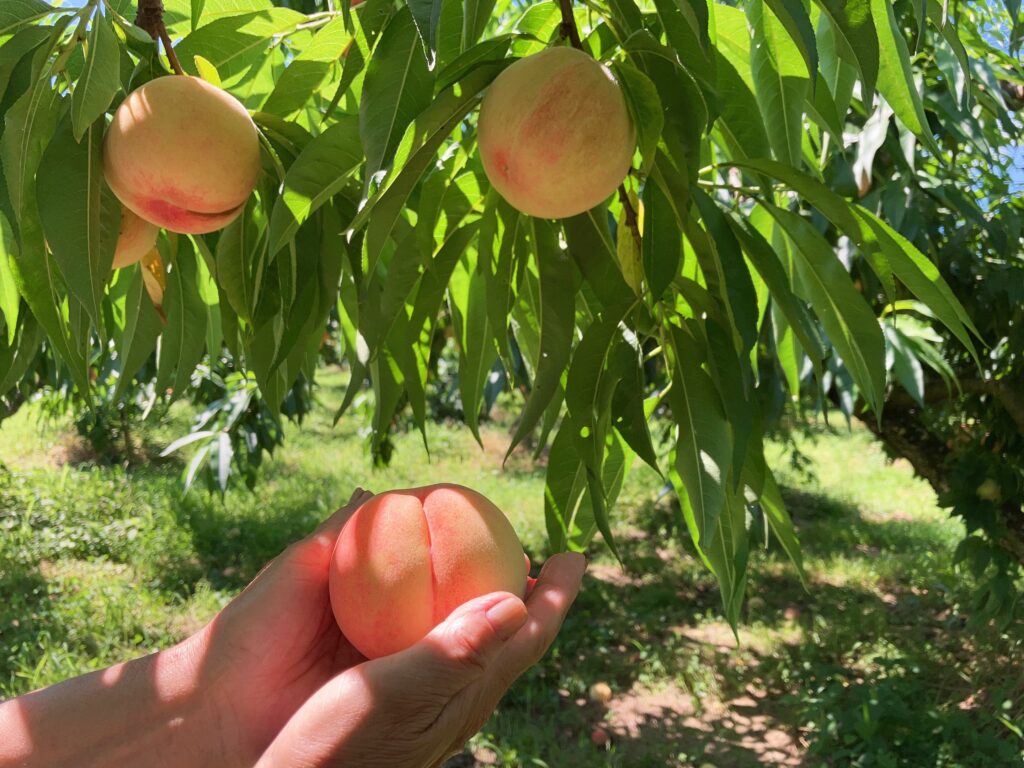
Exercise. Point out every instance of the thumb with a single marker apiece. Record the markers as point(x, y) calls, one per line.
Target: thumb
point(461, 648)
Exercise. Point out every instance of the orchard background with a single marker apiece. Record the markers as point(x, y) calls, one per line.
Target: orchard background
point(821, 225)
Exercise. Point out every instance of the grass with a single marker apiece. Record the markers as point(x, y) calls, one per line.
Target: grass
point(874, 665)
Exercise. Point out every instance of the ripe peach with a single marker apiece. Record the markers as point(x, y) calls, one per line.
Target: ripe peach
point(182, 154)
point(408, 558)
point(556, 137)
point(136, 238)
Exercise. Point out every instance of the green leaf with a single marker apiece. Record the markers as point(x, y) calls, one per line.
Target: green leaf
point(16, 13)
point(233, 43)
point(487, 52)
point(18, 355)
point(685, 111)
point(238, 248)
point(747, 138)
point(426, 15)
point(448, 35)
point(645, 108)
point(555, 313)
point(767, 264)
point(923, 279)
point(474, 22)
point(397, 88)
point(184, 338)
point(780, 83)
point(477, 353)
point(896, 77)
point(306, 72)
point(565, 482)
point(727, 555)
point(598, 365)
point(684, 33)
point(733, 379)
point(101, 77)
point(848, 320)
point(797, 23)
point(832, 206)
point(630, 410)
point(500, 228)
point(10, 301)
point(142, 326)
point(738, 287)
point(438, 274)
point(662, 241)
point(320, 171)
point(415, 153)
point(207, 71)
point(29, 125)
point(592, 248)
point(79, 214)
point(703, 451)
point(853, 23)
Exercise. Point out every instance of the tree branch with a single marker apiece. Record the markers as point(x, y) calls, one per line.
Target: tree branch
point(150, 17)
point(1009, 398)
point(904, 435)
point(568, 27)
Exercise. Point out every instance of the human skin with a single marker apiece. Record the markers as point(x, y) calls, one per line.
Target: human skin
point(272, 682)
point(182, 154)
point(556, 137)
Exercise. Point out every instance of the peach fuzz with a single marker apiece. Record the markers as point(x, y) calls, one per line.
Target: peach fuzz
point(407, 558)
point(136, 238)
point(182, 154)
point(556, 136)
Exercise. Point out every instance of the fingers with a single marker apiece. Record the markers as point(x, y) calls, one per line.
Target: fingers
point(547, 604)
point(332, 525)
point(462, 648)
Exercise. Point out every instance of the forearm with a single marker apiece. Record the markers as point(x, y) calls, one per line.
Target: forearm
point(145, 713)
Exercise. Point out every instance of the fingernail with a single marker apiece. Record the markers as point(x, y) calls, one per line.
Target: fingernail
point(507, 617)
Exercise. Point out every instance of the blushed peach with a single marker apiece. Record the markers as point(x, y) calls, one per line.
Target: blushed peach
point(182, 154)
point(136, 238)
point(556, 136)
point(408, 558)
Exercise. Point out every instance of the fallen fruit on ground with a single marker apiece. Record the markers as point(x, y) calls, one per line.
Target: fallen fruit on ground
point(182, 154)
point(600, 693)
point(136, 238)
point(556, 137)
point(408, 558)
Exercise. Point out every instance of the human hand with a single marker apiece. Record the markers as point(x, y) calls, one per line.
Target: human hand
point(282, 674)
point(417, 707)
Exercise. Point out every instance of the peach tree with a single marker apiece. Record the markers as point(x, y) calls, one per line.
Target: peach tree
point(704, 256)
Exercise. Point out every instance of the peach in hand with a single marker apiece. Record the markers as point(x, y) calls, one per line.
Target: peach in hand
point(556, 136)
point(182, 154)
point(407, 558)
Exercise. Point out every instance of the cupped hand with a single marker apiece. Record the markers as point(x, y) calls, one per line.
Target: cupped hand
point(277, 643)
point(291, 690)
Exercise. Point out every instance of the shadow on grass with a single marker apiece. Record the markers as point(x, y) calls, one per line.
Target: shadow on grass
point(844, 672)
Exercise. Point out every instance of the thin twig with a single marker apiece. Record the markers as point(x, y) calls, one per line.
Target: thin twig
point(150, 17)
point(172, 57)
point(568, 28)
